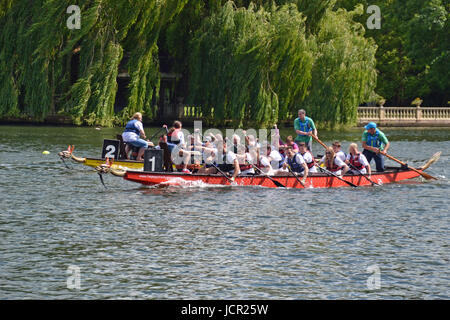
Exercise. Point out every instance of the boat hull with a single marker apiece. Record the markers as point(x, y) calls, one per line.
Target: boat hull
point(317, 180)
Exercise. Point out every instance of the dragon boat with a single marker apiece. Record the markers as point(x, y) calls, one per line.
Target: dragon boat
point(314, 180)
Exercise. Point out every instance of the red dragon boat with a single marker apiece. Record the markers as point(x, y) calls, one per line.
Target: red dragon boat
point(314, 180)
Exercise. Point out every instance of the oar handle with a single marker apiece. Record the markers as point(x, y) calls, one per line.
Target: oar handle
point(318, 140)
point(155, 134)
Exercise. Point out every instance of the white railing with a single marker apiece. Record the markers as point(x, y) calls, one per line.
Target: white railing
point(405, 115)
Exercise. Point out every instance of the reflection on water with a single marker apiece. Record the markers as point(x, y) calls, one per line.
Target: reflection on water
point(202, 242)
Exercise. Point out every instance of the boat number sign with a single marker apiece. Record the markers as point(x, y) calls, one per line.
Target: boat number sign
point(111, 149)
point(153, 160)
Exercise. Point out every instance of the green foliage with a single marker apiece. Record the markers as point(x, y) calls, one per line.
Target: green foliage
point(259, 65)
point(252, 62)
point(344, 70)
point(37, 47)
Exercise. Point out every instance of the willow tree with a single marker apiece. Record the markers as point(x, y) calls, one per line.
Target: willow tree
point(344, 71)
point(37, 48)
point(242, 57)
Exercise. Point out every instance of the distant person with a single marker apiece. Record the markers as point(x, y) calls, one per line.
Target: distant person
point(337, 150)
point(305, 128)
point(375, 145)
point(357, 160)
point(132, 134)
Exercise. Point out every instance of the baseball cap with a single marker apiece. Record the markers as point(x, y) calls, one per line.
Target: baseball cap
point(370, 125)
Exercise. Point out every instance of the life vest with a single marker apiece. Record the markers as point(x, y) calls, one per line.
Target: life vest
point(354, 160)
point(174, 134)
point(310, 164)
point(373, 140)
point(224, 166)
point(305, 126)
point(131, 127)
point(295, 166)
point(334, 167)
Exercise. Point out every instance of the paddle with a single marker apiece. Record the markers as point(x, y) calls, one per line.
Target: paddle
point(318, 140)
point(296, 177)
point(423, 174)
point(336, 176)
point(361, 174)
point(221, 172)
point(151, 138)
point(278, 184)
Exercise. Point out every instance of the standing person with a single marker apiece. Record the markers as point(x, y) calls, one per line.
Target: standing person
point(357, 160)
point(132, 134)
point(337, 150)
point(375, 145)
point(305, 128)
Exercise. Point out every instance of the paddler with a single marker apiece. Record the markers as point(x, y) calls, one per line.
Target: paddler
point(132, 134)
point(337, 150)
point(307, 156)
point(357, 160)
point(333, 163)
point(305, 128)
point(296, 162)
point(375, 145)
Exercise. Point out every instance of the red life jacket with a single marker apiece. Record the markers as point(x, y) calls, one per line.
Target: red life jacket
point(334, 167)
point(244, 167)
point(310, 164)
point(355, 161)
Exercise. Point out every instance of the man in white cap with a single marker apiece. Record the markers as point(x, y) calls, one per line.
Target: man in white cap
point(375, 145)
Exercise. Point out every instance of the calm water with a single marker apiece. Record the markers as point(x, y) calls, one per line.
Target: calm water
point(136, 242)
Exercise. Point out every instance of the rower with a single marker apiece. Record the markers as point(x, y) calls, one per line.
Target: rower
point(333, 163)
point(375, 145)
point(229, 163)
point(296, 162)
point(307, 156)
point(358, 160)
point(337, 150)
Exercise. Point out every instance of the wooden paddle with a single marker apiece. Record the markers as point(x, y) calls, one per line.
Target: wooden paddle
point(318, 140)
point(336, 176)
point(278, 184)
point(361, 174)
point(296, 177)
point(423, 174)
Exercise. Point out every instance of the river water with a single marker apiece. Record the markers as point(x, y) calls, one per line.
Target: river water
point(64, 236)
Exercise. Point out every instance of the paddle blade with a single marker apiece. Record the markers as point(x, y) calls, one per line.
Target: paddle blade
point(432, 160)
point(278, 184)
point(427, 176)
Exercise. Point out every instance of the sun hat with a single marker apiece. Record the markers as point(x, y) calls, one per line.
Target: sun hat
point(370, 125)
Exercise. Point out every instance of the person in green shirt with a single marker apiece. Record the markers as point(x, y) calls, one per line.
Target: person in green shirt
point(375, 145)
point(305, 128)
